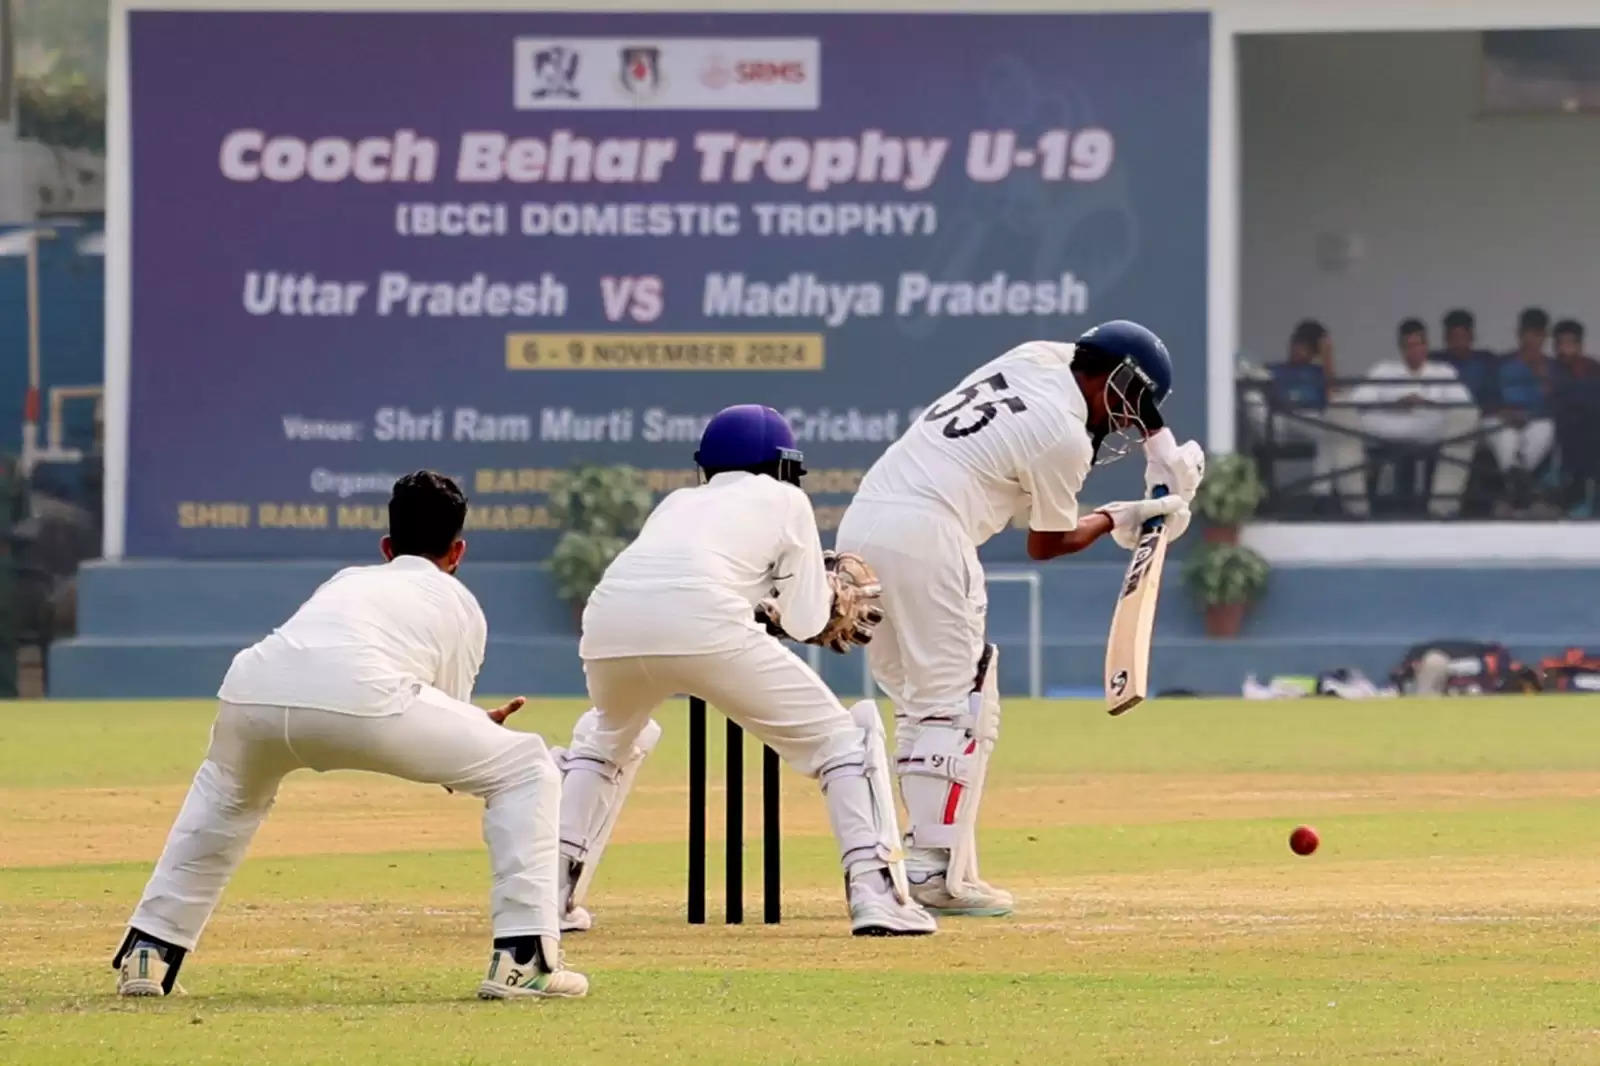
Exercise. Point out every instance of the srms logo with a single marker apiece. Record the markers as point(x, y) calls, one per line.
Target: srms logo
point(768, 72)
point(719, 72)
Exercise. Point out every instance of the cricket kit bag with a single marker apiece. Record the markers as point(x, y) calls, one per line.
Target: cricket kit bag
point(1574, 670)
point(1462, 668)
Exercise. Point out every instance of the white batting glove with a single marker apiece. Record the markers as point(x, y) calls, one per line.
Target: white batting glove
point(1178, 521)
point(1128, 516)
point(1180, 467)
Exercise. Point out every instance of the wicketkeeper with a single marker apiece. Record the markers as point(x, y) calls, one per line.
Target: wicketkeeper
point(695, 605)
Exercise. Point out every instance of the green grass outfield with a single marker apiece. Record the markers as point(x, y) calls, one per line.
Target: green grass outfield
point(1452, 915)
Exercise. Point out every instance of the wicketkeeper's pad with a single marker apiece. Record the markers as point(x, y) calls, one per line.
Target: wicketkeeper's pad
point(595, 791)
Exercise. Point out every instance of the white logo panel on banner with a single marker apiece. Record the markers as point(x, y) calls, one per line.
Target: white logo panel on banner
point(667, 73)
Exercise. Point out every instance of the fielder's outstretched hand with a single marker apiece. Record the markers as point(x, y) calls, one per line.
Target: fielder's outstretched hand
point(499, 715)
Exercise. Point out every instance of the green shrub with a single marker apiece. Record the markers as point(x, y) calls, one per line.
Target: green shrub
point(579, 559)
point(1221, 574)
point(600, 499)
point(61, 110)
point(1230, 492)
point(600, 508)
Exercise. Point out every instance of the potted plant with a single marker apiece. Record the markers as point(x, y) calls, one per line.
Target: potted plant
point(599, 508)
point(61, 109)
point(1228, 497)
point(1226, 579)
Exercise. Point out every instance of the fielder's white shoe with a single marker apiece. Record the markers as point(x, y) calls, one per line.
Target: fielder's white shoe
point(875, 911)
point(144, 973)
point(978, 899)
point(509, 979)
point(577, 920)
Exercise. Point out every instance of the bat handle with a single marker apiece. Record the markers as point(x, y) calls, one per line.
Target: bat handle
point(1154, 524)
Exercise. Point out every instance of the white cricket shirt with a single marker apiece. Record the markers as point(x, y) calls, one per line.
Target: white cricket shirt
point(365, 642)
point(689, 583)
point(1010, 440)
point(1392, 381)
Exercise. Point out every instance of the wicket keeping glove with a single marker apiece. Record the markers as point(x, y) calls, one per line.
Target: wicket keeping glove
point(856, 610)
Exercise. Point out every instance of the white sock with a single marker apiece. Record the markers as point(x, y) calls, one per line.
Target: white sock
point(871, 882)
point(925, 863)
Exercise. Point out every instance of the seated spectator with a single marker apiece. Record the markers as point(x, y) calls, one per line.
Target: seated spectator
point(1478, 368)
point(1412, 400)
point(1575, 404)
point(1570, 363)
point(1298, 386)
point(1526, 430)
point(1301, 380)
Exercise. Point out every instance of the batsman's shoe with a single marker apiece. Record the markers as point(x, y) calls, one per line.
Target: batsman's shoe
point(577, 920)
point(976, 899)
point(144, 973)
point(875, 910)
point(509, 979)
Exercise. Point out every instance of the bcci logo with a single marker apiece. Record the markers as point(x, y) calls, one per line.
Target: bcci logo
point(1119, 682)
point(641, 71)
point(555, 74)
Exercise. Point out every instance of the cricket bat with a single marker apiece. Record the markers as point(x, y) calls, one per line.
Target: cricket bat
point(1128, 647)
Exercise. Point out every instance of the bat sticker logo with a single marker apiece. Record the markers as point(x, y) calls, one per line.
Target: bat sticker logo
point(1119, 682)
point(1142, 554)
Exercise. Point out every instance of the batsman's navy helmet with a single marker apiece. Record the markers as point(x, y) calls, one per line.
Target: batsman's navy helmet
point(1139, 347)
point(1138, 379)
point(750, 437)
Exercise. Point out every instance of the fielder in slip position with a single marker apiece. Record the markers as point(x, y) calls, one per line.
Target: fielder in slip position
point(692, 606)
point(373, 672)
point(1014, 440)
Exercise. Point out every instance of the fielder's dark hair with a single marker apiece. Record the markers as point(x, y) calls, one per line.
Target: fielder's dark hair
point(1409, 326)
point(1308, 333)
point(1532, 318)
point(1569, 327)
point(426, 513)
point(1460, 318)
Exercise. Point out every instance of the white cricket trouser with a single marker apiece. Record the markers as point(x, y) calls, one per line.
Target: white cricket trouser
point(775, 696)
point(435, 740)
point(1425, 426)
point(1287, 429)
point(1524, 446)
point(924, 655)
point(761, 685)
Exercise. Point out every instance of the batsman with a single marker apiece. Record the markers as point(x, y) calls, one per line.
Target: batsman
point(696, 605)
point(1014, 440)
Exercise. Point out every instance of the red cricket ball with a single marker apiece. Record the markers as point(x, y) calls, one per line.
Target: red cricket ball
point(1304, 840)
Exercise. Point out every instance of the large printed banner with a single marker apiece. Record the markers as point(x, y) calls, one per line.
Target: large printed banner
point(504, 244)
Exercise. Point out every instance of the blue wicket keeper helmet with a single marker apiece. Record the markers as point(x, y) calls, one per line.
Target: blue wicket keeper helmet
point(752, 438)
point(1138, 380)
